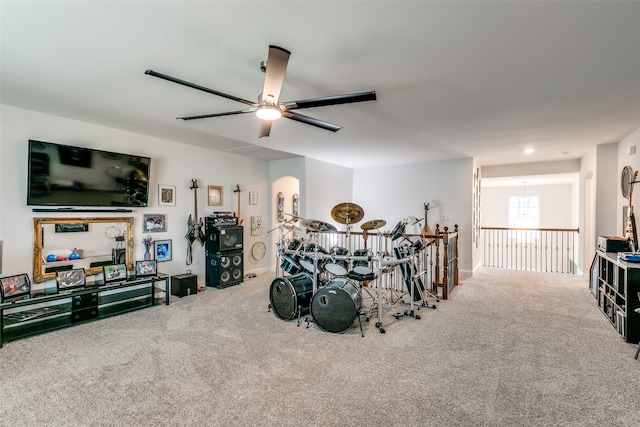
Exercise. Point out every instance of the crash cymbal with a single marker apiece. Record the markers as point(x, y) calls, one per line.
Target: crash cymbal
point(373, 224)
point(321, 226)
point(347, 213)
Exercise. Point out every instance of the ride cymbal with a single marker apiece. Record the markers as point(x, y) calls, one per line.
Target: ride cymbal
point(373, 224)
point(347, 213)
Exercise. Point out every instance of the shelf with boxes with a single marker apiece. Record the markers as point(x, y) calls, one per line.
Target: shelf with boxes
point(616, 283)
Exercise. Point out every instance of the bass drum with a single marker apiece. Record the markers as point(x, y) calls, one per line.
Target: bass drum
point(336, 306)
point(288, 294)
point(337, 267)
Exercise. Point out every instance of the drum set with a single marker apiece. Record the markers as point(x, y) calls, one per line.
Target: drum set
point(326, 286)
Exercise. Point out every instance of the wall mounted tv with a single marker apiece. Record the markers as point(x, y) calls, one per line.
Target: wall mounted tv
point(63, 175)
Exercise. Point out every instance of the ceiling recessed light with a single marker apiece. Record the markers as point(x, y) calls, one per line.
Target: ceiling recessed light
point(528, 150)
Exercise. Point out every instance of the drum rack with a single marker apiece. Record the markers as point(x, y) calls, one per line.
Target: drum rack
point(319, 281)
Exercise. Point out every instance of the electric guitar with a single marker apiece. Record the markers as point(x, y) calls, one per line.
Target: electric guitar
point(237, 190)
point(194, 224)
point(426, 230)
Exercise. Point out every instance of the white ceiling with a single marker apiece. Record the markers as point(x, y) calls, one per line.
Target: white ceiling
point(453, 79)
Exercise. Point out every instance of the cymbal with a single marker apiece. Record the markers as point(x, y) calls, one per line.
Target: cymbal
point(373, 224)
point(321, 226)
point(306, 222)
point(292, 227)
point(347, 213)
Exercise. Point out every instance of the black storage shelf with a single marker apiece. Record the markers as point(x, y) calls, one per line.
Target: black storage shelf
point(39, 314)
point(618, 284)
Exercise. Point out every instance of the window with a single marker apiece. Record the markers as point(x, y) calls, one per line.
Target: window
point(524, 212)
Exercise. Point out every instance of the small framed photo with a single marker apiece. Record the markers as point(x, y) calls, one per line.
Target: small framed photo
point(163, 250)
point(114, 273)
point(152, 223)
point(253, 197)
point(14, 287)
point(214, 195)
point(166, 195)
point(146, 268)
point(70, 279)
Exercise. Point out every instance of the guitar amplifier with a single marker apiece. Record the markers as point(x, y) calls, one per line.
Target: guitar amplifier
point(222, 238)
point(217, 219)
point(612, 244)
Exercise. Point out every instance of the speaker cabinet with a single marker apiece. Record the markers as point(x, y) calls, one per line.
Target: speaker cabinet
point(224, 269)
point(184, 284)
point(222, 238)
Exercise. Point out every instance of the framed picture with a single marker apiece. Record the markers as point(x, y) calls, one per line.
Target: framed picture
point(114, 273)
point(214, 195)
point(253, 197)
point(14, 287)
point(166, 195)
point(70, 279)
point(146, 268)
point(163, 250)
point(256, 225)
point(152, 223)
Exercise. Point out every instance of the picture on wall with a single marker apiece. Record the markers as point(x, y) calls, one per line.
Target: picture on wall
point(214, 195)
point(166, 195)
point(256, 225)
point(280, 204)
point(163, 250)
point(152, 223)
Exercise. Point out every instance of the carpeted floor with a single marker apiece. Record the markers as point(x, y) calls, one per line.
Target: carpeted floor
point(509, 349)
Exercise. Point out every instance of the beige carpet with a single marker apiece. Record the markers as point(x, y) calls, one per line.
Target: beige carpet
point(509, 349)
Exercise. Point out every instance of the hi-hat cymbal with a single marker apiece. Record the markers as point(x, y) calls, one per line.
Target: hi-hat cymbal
point(347, 213)
point(292, 227)
point(373, 224)
point(306, 222)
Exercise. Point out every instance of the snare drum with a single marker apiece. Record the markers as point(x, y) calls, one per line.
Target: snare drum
point(311, 251)
point(338, 267)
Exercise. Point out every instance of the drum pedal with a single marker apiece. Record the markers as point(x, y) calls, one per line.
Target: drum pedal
point(398, 315)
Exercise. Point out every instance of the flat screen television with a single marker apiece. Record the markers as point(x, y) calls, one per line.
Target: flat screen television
point(64, 175)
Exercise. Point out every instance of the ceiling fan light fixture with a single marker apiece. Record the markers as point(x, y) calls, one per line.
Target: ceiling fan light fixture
point(268, 112)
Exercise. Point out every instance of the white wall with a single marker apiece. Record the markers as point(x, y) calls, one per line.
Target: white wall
point(393, 193)
point(172, 163)
point(623, 158)
point(557, 209)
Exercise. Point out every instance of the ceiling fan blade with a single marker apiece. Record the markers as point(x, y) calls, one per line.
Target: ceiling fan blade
point(277, 61)
point(198, 87)
point(265, 128)
point(311, 121)
point(331, 100)
point(228, 113)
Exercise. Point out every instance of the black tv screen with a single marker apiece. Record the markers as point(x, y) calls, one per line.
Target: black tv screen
point(64, 175)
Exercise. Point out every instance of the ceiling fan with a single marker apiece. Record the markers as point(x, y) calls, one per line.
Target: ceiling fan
point(269, 108)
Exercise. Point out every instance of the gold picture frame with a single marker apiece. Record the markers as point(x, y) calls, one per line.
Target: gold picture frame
point(214, 195)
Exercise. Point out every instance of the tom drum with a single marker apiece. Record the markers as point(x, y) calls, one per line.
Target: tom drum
point(337, 267)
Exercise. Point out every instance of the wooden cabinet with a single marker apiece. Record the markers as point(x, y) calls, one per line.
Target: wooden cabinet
point(616, 284)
